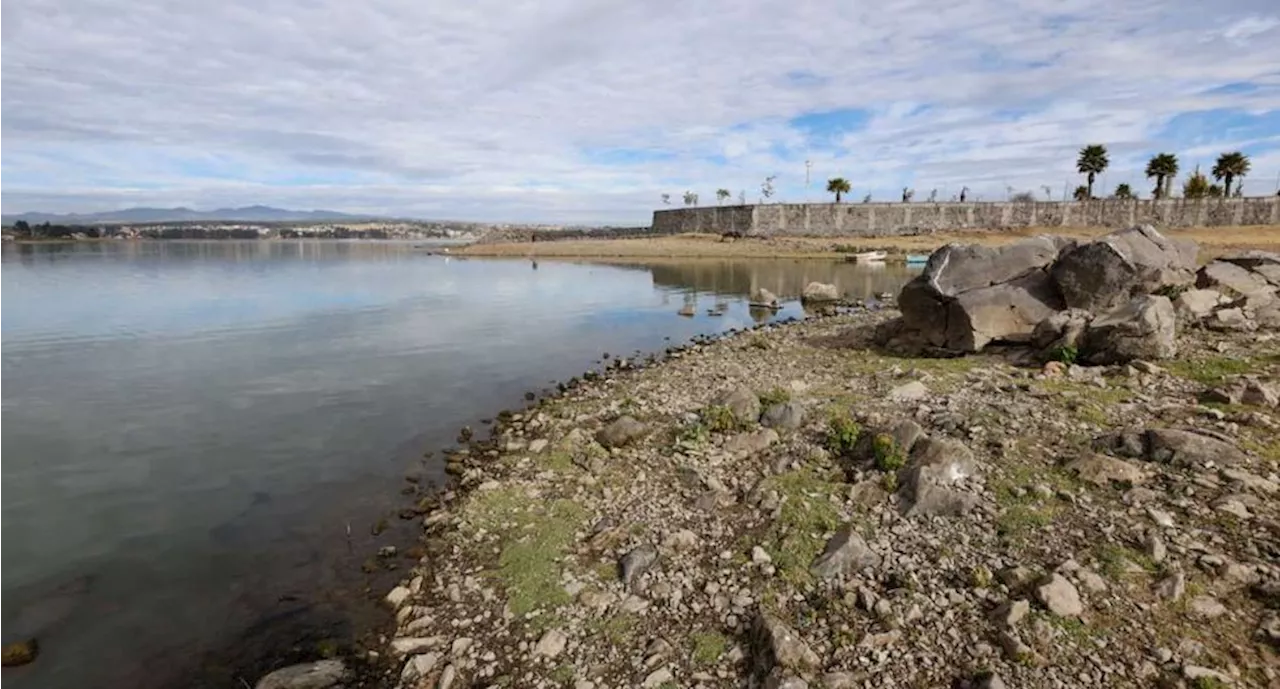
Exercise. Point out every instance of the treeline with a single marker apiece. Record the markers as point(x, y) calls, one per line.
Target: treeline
point(23, 230)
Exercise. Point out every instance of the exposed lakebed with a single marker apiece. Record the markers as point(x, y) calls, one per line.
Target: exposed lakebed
point(200, 435)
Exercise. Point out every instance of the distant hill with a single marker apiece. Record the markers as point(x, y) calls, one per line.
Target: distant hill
point(149, 215)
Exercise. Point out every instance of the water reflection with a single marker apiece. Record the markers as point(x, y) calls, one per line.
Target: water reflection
point(199, 435)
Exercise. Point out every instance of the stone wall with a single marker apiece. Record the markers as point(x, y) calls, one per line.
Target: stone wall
point(883, 219)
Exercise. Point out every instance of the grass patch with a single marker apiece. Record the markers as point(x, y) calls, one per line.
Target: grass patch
point(1021, 520)
point(807, 512)
point(1211, 371)
point(708, 647)
point(1266, 450)
point(559, 462)
point(1114, 560)
point(533, 534)
point(719, 419)
point(774, 396)
point(695, 434)
point(617, 629)
point(563, 674)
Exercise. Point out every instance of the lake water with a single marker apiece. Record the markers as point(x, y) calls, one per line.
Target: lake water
point(199, 436)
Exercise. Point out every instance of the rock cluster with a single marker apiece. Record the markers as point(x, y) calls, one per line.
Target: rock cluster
point(1103, 301)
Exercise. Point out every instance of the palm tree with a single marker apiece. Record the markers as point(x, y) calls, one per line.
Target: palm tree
point(1162, 166)
point(1230, 166)
point(1092, 161)
point(838, 186)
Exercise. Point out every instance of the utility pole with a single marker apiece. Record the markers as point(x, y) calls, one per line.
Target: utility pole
point(808, 198)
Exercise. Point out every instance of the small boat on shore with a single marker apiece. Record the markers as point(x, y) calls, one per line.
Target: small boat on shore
point(870, 256)
point(917, 259)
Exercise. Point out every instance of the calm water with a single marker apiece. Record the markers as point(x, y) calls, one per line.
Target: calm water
point(199, 435)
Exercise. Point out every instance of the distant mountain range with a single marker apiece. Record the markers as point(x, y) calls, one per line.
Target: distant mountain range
point(150, 215)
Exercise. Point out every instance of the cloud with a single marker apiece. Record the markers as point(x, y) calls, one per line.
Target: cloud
point(581, 111)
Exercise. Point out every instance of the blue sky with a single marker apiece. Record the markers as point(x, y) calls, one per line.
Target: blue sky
point(588, 111)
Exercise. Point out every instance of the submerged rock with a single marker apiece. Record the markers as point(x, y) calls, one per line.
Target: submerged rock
point(820, 292)
point(321, 674)
point(20, 652)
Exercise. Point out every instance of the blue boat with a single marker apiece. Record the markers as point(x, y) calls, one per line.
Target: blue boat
point(916, 258)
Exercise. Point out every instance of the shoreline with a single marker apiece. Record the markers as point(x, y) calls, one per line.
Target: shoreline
point(553, 559)
point(1212, 240)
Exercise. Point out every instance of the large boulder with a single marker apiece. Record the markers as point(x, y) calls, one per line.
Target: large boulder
point(621, 432)
point(1064, 329)
point(1264, 263)
point(779, 651)
point(741, 401)
point(1195, 304)
point(1180, 448)
point(969, 295)
point(1007, 312)
point(1143, 328)
point(1232, 279)
point(1104, 274)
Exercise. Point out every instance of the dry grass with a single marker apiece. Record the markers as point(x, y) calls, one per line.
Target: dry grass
point(1214, 241)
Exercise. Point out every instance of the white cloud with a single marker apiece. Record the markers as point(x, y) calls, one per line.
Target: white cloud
point(491, 110)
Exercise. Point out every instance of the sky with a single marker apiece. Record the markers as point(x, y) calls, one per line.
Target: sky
point(583, 112)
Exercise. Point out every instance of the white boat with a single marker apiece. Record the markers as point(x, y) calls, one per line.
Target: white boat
point(870, 256)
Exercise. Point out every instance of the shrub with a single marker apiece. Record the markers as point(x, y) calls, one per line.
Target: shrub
point(1067, 355)
point(842, 435)
point(888, 454)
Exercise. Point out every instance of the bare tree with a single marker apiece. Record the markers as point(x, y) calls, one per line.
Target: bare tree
point(690, 198)
point(766, 187)
point(1048, 192)
point(666, 199)
point(933, 196)
point(867, 198)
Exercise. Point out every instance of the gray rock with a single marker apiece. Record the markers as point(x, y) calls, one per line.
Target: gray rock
point(908, 392)
point(742, 402)
point(1103, 470)
point(1060, 596)
point(321, 674)
point(1230, 320)
point(1060, 330)
point(621, 432)
point(1195, 304)
point(787, 416)
point(779, 647)
point(1231, 279)
point(906, 434)
point(1170, 446)
point(1172, 586)
point(1006, 312)
point(970, 295)
point(1195, 673)
point(1187, 449)
point(1205, 608)
point(1269, 628)
point(764, 298)
point(935, 465)
point(417, 667)
point(551, 644)
point(1010, 613)
point(845, 553)
point(819, 292)
point(636, 563)
point(752, 442)
point(1104, 274)
point(1263, 263)
point(1143, 328)
point(958, 268)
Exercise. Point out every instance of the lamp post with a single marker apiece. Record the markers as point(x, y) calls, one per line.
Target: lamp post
point(807, 196)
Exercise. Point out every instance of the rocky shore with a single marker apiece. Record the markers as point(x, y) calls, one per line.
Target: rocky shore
point(845, 502)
